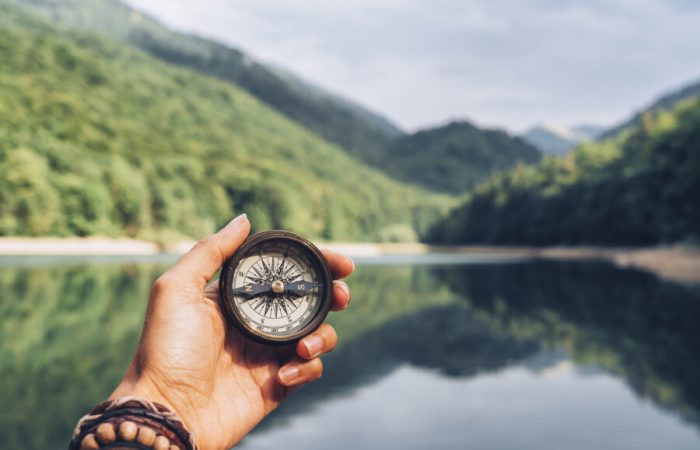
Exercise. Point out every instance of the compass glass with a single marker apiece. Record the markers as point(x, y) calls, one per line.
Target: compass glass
point(276, 287)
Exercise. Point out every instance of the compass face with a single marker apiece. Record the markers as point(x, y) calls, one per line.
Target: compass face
point(276, 288)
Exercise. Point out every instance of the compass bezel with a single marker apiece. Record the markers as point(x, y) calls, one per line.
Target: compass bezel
point(228, 272)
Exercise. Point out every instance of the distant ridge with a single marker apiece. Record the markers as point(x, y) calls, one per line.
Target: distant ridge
point(455, 157)
point(666, 101)
point(639, 188)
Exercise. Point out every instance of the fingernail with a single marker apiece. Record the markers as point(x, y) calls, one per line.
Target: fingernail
point(353, 264)
point(289, 374)
point(238, 219)
point(314, 345)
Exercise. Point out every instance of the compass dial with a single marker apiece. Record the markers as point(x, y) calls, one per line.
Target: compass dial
point(276, 288)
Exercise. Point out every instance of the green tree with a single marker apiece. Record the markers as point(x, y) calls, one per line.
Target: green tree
point(29, 204)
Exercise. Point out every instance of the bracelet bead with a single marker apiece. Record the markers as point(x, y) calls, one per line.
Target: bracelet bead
point(89, 442)
point(161, 443)
point(105, 433)
point(127, 431)
point(146, 436)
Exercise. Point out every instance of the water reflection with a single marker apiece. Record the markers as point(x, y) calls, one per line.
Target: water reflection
point(505, 351)
point(625, 321)
point(588, 326)
point(67, 333)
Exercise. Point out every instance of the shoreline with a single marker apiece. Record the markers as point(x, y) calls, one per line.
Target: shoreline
point(676, 263)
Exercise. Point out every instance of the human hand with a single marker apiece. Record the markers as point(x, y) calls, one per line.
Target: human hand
point(219, 382)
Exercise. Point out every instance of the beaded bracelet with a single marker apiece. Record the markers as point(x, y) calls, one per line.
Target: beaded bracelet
point(130, 422)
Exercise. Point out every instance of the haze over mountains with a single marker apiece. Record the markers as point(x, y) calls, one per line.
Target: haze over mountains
point(559, 140)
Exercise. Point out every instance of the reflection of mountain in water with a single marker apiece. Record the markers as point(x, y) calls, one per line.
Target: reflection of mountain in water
point(628, 322)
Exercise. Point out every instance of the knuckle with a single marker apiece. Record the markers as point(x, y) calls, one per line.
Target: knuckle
point(317, 369)
point(328, 333)
point(204, 242)
point(161, 284)
point(332, 344)
point(344, 288)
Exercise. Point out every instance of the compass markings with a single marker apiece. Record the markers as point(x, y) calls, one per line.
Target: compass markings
point(255, 269)
point(268, 272)
point(282, 312)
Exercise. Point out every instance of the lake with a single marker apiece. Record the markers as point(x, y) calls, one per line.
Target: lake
point(440, 352)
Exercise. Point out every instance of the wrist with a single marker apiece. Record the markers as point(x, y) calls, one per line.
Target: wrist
point(143, 388)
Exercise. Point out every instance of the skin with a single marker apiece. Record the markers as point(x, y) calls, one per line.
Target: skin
point(220, 383)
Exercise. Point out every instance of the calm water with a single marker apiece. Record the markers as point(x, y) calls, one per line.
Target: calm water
point(462, 353)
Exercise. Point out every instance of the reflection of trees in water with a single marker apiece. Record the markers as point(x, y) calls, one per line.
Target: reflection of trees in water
point(67, 333)
point(443, 338)
point(628, 322)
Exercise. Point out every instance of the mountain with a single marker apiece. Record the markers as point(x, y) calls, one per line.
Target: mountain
point(558, 140)
point(99, 138)
point(586, 131)
point(640, 188)
point(363, 134)
point(664, 102)
point(455, 157)
point(358, 130)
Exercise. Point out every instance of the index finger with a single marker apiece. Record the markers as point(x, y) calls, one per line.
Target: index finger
point(341, 265)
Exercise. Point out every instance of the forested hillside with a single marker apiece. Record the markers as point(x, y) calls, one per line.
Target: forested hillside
point(455, 157)
point(449, 159)
point(643, 187)
point(97, 138)
point(358, 130)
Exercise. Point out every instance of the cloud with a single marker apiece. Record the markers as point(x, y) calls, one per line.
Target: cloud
point(509, 63)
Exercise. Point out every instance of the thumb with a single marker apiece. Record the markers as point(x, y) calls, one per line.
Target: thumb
point(207, 255)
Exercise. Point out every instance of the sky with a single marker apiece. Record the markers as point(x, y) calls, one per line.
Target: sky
point(505, 63)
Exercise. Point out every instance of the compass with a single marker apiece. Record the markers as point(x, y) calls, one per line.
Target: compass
point(276, 288)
